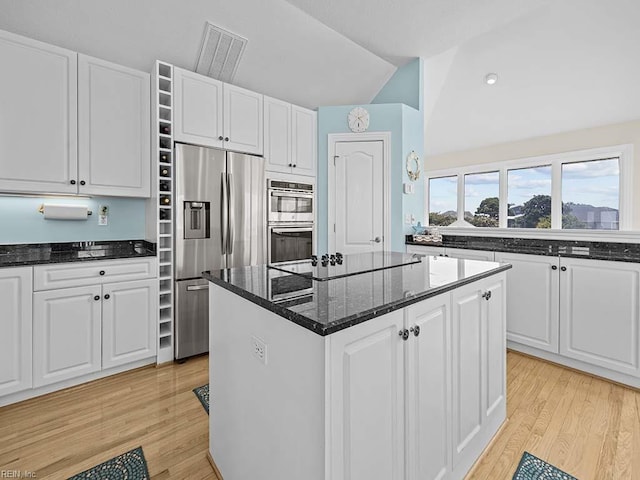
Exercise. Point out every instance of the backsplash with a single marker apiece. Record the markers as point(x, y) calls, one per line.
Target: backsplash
point(20, 221)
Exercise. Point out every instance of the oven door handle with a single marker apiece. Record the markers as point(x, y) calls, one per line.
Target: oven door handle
point(291, 230)
point(292, 195)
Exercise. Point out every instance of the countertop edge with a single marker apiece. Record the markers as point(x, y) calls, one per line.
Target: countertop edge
point(351, 320)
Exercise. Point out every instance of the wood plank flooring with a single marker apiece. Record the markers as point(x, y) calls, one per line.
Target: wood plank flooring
point(584, 425)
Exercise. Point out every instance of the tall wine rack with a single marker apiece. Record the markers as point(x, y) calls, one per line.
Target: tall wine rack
point(163, 146)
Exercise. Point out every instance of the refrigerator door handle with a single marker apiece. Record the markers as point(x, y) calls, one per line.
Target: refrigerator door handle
point(224, 210)
point(232, 215)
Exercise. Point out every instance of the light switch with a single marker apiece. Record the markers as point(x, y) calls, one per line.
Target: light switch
point(407, 188)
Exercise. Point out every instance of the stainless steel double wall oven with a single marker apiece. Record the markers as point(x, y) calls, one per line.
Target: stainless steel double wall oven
point(290, 221)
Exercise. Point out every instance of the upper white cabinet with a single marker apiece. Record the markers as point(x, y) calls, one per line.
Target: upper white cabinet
point(15, 329)
point(70, 125)
point(600, 312)
point(198, 109)
point(243, 129)
point(114, 129)
point(290, 134)
point(38, 117)
point(215, 114)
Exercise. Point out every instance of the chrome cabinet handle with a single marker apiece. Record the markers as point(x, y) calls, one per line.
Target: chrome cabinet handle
point(226, 139)
point(487, 295)
point(220, 137)
point(564, 269)
point(554, 267)
point(404, 334)
point(232, 214)
point(193, 288)
point(415, 330)
point(107, 296)
point(96, 298)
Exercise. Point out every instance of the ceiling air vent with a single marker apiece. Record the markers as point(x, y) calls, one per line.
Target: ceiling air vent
point(220, 53)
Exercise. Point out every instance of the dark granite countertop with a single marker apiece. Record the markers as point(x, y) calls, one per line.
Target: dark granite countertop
point(613, 251)
point(329, 306)
point(42, 253)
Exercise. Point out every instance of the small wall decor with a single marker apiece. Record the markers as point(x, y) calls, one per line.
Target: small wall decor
point(413, 166)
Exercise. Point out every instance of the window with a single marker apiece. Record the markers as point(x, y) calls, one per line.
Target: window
point(443, 200)
point(591, 194)
point(529, 197)
point(576, 190)
point(482, 199)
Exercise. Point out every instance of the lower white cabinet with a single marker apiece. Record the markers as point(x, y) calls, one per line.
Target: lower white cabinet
point(479, 367)
point(66, 334)
point(434, 378)
point(533, 315)
point(128, 322)
point(15, 329)
point(600, 313)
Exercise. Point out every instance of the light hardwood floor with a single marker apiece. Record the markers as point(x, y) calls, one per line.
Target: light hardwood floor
point(587, 426)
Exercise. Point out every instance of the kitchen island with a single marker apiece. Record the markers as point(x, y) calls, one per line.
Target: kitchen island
point(397, 372)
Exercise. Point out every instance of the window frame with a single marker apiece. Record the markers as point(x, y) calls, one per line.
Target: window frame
point(623, 152)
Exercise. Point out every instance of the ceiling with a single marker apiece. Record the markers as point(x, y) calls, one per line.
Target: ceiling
point(562, 64)
point(289, 55)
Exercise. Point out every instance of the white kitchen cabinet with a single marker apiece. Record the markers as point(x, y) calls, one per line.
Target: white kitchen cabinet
point(197, 109)
point(215, 114)
point(277, 135)
point(128, 322)
point(428, 389)
point(533, 314)
point(15, 330)
point(66, 334)
point(479, 367)
point(243, 120)
point(600, 312)
point(114, 137)
point(38, 118)
point(304, 142)
point(367, 381)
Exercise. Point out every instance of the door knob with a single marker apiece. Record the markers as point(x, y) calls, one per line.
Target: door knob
point(377, 240)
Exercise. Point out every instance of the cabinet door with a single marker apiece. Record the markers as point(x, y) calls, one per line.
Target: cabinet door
point(304, 143)
point(599, 311)
point(495, 356)
point(533, 308)
point(469, 254)
point(467, 348)
point(66, 334)
point(367, 400)
point(128, 322)
point(277, 135)
point(114, 129)
point(428, 390)
point(38, 117)
point(243, 120)
point(15, 329)
point(197, 109)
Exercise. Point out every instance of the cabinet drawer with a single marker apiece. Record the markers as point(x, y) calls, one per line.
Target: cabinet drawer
point(47, 277)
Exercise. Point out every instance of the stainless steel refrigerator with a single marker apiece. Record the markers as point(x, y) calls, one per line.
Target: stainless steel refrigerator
point(220, 223)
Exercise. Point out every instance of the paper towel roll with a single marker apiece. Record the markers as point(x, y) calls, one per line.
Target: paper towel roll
point(65, 212)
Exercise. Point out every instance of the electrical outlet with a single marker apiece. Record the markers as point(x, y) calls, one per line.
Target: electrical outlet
point(103, 215)
point(259, 349)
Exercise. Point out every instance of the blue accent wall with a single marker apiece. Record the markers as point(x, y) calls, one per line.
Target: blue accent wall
point(397, 108)
point(405, 86)
point(20, 221)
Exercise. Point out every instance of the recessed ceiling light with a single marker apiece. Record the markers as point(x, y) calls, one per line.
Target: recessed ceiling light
point(491, 79)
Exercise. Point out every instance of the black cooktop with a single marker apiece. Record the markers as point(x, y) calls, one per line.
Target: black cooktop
point(338, 266)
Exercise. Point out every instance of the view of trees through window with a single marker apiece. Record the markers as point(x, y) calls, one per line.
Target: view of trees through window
point(443, 200)
point(590, 196)
point(529, 197)
point(481, 201)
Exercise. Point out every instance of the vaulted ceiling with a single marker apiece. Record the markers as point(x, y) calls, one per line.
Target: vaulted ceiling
point(562, 64)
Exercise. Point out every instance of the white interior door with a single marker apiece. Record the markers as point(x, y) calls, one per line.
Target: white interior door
point(359, 207)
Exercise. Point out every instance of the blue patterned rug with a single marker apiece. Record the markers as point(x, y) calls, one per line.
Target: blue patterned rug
point(203, 395)
point(128, 466)
point(532, 468)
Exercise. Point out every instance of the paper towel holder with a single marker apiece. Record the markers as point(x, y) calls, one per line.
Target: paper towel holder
point(41, 210)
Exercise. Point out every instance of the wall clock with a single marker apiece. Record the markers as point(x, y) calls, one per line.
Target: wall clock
point(358, 120)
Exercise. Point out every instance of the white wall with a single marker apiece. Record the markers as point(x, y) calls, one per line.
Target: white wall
point(617, 134)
